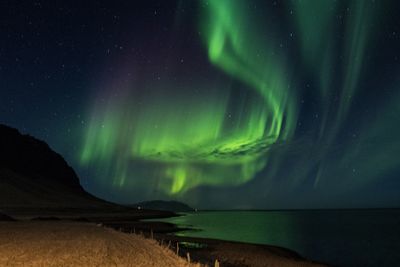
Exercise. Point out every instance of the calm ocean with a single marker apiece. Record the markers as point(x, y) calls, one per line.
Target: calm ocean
point(337, 237)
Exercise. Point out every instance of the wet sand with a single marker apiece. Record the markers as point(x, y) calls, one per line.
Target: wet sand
point(235, 254)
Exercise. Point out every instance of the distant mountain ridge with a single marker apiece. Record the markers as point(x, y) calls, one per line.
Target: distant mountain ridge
point(174, 206)
point(4, 217)
point(33, 175)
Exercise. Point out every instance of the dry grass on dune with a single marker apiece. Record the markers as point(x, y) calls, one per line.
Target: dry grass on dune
point(78, 244)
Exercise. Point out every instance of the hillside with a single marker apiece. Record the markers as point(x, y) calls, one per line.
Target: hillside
point(33, 175)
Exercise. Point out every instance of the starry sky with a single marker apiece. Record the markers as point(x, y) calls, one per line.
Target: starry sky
point(218, 103)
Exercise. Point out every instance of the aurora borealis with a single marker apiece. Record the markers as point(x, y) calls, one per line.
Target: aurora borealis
point(198, 141)
point(219, 103)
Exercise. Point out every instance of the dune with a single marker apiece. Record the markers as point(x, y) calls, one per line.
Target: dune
point(49, 243)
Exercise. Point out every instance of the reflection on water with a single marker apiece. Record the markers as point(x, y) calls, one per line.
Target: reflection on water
point(339, 237)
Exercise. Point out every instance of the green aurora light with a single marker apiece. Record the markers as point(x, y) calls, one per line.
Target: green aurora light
point(210, 138)
point(186, 135)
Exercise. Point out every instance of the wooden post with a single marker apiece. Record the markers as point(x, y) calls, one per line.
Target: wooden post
point(151, 233)
point(188, 257)
point(177, 248)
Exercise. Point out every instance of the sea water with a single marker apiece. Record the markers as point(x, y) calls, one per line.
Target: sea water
point(337, 237)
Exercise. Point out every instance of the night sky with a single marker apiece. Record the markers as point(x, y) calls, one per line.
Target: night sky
point(220, 104)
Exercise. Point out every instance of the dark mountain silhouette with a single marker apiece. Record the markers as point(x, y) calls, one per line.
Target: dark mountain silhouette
point(174, 206)
point(33, 175)
point(4, 217)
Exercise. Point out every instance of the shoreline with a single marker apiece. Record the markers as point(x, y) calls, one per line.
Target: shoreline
point(235, 254)
point(207, 250)
point(202, 250)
